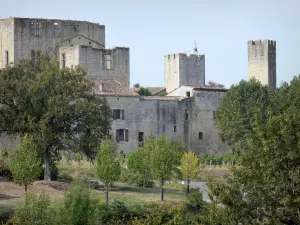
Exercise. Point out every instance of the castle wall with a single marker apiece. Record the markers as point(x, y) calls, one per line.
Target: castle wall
point(95, 60)
point(203, 105)
point(150, 115)
point(262, 61)
point(6, 41)
point(45, 35)
point(71, 56)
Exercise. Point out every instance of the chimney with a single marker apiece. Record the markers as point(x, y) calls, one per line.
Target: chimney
point(101, 87)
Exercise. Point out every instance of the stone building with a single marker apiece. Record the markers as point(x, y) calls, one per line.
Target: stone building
point(186, 113)
point(262, 61)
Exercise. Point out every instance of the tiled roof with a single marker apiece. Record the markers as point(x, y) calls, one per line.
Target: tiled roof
point(110, 87)
point(153, 90)
point(166, 98)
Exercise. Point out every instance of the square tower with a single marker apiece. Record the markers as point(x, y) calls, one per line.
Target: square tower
point(262, 61)
point(181, 69)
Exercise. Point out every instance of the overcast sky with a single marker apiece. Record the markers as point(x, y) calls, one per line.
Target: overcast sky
point(152, 29)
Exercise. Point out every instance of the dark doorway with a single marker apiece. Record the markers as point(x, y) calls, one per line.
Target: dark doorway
point(141, 139)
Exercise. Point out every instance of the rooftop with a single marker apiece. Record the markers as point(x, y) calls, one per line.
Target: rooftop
point(110, 87)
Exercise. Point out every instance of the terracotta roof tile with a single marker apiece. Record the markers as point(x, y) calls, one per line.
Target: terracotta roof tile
point(110, 87)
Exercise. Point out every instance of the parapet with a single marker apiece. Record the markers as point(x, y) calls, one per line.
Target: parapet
point(184, 56)
point(260, 42)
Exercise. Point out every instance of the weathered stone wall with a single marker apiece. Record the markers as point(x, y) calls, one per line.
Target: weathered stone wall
point(95, 62)
point(203, 105)
point(182, 91)
point(71, 54)
point(6, 41)
point(181, 69)
point(262, 61)
point(152, 115)
point(45, 35)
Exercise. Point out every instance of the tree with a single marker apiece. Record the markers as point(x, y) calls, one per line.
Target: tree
point(56, 106)
point(144, 91)
point(265, 187)
point(233, 116)
point(25, 163)
point(137, 85)
point(164, 157)
point(108, 166)
point(138, 162)
point(189, 168)
point(215, 84)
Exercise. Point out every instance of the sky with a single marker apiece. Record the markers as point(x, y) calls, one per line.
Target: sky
point(152, 29)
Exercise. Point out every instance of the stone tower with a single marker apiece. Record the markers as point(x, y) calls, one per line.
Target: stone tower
point(182, 69)
point(262, 61)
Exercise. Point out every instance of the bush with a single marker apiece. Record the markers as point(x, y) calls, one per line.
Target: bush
point(195, 199)
point(36, 210)
point(135, 179)
point(64, 176)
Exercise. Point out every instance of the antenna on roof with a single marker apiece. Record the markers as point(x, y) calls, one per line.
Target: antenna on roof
point(195, 49)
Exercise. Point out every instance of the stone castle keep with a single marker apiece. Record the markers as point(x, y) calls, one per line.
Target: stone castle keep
point(186, 113)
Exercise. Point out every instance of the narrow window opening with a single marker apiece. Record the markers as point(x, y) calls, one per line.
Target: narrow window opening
point(63, 56)
point(214, 115)
point(186, 116)
point(118, 114)
point(175, 129)
point(200, 136)
point(6, 58)
point(77, 27)
point(188, 94)
point(141, 139)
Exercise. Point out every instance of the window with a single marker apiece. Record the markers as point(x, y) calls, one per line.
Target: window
point(118, 114)
point(37, 31)
point(6, 58)
point(188, 94)
point(77, 27)
point(141, 139)
point(175, 128)
point(63, 60)
point(200, 135)
point(186, 116)
point(122, 135)
point(214, 115)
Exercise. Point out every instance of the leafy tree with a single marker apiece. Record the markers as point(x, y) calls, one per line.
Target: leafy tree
point(108, 166)
point(233, 116)
point(265, 187)
point(25, 163)
point(138, 162)
point(137, 85)
point(189, 168)
point(215, 84)
point(144, 91)
point(164, 157)
point(56, 106)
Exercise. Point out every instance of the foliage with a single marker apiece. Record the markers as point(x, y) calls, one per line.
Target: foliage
point(195, 200)
point(25, 164)
point(129, 177)
point(234, 114)
point(37, 210)
point(78, 157)
point(56, 106)
point(78, 207)
point(108, 166)
point(215, 84)
point(137, 85)
point(164, 157)
point(4, 164)
point(144, 91)
point(138, 163)
point(265, 187)
point(189, 167)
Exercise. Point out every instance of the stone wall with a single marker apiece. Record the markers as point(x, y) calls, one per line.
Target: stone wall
point(262, 61)
point(6, 41)
point(45, 35)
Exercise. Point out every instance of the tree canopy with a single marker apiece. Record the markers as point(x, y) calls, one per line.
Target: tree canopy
point(189, 167)
point(264, 188)
point(56, 106)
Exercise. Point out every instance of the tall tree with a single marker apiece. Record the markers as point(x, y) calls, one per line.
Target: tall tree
point(164, 157)
point(189, 168)
point(265, 187)
point(25, 163)
point(56, 106)
point(108, 165)
point(233, 116)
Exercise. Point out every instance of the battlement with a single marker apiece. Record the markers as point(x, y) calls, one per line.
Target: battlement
point(184, 56)
point(260, 42)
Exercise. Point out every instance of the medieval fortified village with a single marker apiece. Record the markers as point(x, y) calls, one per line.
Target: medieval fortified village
point(184, 112)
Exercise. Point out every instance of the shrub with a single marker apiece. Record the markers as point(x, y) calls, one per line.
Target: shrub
point(195, 199)
point(135, 179)
point(64, 176)
point(36, 210)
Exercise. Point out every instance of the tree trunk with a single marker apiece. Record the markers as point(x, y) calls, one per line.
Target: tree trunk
point(47, 173)
point(106, 193)
point(25, 187)
point(161, 194)
point(188, 186)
